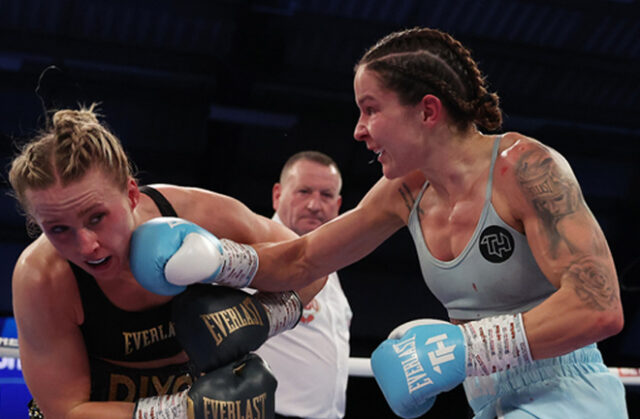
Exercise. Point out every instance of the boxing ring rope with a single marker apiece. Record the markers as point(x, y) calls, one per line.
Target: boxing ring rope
point(361, 367)
point(358, 367)
point(9, 347)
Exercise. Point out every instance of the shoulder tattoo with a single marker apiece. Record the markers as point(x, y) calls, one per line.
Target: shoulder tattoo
point(553, 194)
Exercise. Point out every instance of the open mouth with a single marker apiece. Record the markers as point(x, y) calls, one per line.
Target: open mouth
point(378, 154)
point(98, 262)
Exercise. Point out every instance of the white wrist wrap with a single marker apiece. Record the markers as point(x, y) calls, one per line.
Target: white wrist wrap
point(240, 264)
point(496, 344)
point(169, 406)
point(284, 310)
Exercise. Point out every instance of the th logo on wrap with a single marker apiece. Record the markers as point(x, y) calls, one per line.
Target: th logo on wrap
point(496, 244)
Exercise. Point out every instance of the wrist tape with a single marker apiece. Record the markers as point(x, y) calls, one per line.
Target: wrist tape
point(240, 264)
point(496, 344)
point(284, 310)
point(168, 406)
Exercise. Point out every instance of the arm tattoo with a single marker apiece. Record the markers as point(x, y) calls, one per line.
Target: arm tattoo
point(593, 283)
point(409, 200)
point(552, 194)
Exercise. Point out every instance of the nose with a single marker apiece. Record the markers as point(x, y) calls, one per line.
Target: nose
point(360, 132)
point(315, 202)
point(87, 241)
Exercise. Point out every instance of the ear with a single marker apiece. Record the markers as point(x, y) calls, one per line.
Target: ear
point(431, 109)
point(276, 192)
point(339, 202)
point(133, 193)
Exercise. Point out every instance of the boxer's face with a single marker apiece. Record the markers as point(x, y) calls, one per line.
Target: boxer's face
point(389, 128)
point(308, 197)
point(89, 222)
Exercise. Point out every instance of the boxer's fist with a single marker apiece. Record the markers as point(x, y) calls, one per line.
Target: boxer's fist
point(217, 324)
point(242, 389)
point(417, 363)
point(423, 358)
point(168, 253)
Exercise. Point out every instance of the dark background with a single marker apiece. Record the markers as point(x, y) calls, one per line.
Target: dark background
point(218, 94)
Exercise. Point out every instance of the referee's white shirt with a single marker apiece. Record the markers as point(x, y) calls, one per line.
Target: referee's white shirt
point(310, 361)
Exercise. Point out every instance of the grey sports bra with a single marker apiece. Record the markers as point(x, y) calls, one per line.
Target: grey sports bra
point(496, 272)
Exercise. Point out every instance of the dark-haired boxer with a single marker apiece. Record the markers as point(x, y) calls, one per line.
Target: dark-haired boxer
point(504, 236)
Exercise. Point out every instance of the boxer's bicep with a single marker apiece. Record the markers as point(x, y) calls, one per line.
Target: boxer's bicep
point(348, 238)
point(338, 243)
point(571, 250)
point(357, 232)
point(563, 233)
point(224, 216)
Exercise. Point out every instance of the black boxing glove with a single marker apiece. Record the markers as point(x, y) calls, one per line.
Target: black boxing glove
point(242, 389)
point(216, 324)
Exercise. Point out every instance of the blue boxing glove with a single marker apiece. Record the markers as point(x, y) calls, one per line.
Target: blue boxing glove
point(413, 366)
point(168, 253)
point(423, 358)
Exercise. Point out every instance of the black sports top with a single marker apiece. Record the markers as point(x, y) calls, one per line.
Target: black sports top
point(115, 334)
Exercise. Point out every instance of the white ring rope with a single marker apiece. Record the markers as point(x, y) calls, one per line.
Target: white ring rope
point(361, 367)
point(358, 367)
point(9, 347)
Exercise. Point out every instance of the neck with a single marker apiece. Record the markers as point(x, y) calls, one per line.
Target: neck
point(456, 161)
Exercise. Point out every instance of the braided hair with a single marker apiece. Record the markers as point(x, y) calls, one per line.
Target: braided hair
point(420, 61)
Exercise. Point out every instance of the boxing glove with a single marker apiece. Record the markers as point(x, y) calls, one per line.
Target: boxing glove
point(426, 357)
point(217, 324)
point(412, 369)
point(167, 253)
point(241, 389)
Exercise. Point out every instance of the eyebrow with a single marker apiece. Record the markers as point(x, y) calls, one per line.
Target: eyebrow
point(364, 99)
point(88, 210)
point(81, 214)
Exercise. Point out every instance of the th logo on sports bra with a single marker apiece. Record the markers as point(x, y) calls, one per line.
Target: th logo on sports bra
point(496, 244)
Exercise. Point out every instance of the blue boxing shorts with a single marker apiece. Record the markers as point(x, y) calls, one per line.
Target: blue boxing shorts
point(575, 385)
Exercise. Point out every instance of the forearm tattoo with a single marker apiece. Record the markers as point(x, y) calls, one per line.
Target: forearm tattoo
point(593, 283)
point(409, 199)
point(552, 194)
